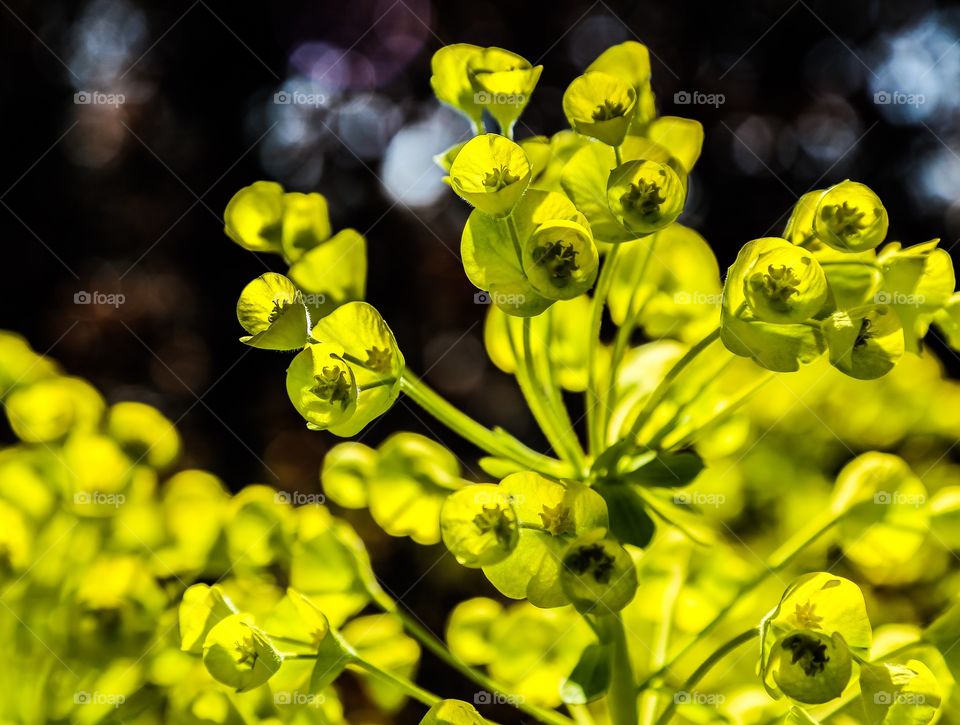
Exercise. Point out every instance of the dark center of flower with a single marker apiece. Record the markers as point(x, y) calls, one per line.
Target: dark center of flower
point(644, 197)
point(495, 519)
point(278, 307)
point(592, 559)
point(560, 260)
point(332, 385)
point(246, 651)
point(844, 220)
point(777, 284)
point(609, 110)
point(378, 360)
point(863, 335)
point(556, 520)
point(809, 651)
point(499, 178)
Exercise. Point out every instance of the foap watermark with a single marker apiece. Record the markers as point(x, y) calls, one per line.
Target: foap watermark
point(685, 697)
point(898, 498)
point(885, 697)
point(898, 98)
point(496, 698)
point(113, 299)
point(295, 697)
point(499, 298)
point(112, 699)
point(899, 298)
point(697, 498)
point(485, 98)
point(300, 98)
point(98, 498)
point(698, 98)
point(298, 498)
point(98, 98)
point(697, 298)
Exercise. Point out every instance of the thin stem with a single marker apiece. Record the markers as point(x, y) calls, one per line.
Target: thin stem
point(410, 688)
point(622, 695)
point(779, 559)
point(432, 643)
point(657, 396)
point(595, 402)
point(494, 443)
point(376, 384)
point(618, 155)
point(699, 673)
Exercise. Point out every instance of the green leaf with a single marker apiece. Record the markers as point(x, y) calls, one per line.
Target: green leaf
point(590, 679)
point(629, 520)
point(944, 633)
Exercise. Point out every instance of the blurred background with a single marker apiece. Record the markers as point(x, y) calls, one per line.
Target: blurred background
point(129, 124)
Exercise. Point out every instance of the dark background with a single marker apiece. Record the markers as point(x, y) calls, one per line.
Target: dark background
point(128, 199)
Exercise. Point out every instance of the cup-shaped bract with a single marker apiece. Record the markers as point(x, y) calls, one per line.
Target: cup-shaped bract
point(601, 106)
point(864, 344)
point(144, 433)
point(451, 81)
point(782, 283)
point(645, 196)
point(254, 217)
point(811, 667)
point(479, 525)
point(306, 223)
point(238, 654)
point(491, 172)
point(503, 82)
point(271, 309)
point(850, 217)
point(371, 349)
point(453, 712)
point(560, 258)
point(322, 386)
point(598, 574)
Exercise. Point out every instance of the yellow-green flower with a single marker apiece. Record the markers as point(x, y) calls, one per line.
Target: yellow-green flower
point(491, 172)
point(645, 196)
point(600, 105)
point(451, 81)
point(560, 259)
point(322, 386)
point(811, 667)
point(479, 525)
point(271, 309)
point(850, 217)
point(306, 223)
point(503, 82)
point(864, 344)
point(238, 654)
point(598, 575)
point(254, 217)
point(783, 283)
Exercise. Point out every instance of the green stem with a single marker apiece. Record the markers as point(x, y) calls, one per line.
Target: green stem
point(595, 402)
point(777, 561)
point(618, 155)
point(410, 688)
point(657, 396)
point(492, 442)
point(622, 695)
point(650, 699)
point(699, 673)
point(432, 643)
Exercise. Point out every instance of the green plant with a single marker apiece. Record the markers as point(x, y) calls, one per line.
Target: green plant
point(185, 604)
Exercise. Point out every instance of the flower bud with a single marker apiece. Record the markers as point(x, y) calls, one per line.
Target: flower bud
point(601, 106)
point(850, 217)
point(322, 386)
point(560, 259)
point(479, 525)
point(491, 172)
point(645, 196)
point(784, 284)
